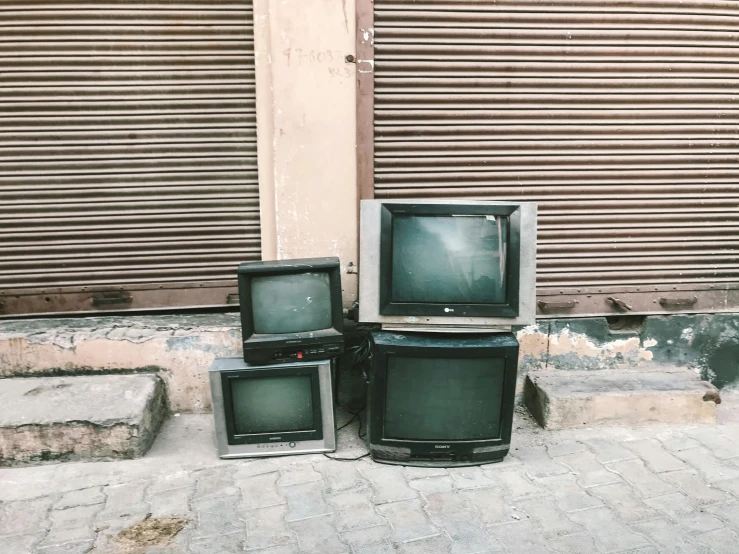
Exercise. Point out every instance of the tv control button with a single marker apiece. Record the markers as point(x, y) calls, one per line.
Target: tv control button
point(300, 355)
point(292, 445)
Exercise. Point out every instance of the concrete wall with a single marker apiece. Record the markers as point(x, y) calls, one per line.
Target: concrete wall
point(180, 348)
point(306, 126)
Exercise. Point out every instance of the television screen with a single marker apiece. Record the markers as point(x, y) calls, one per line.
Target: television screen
point(272, 404)
point(291, 303)
point(443, 399)
point(449, 259)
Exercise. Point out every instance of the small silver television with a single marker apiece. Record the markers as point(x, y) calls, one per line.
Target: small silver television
point(272, 410)
point(448, 266)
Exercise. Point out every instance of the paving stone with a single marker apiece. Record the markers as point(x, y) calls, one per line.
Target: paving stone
point(260, 491)
point(721, 541)
point(569, 495)
point(71, 525)
point(721, 446)
point(545, 514)
point(518, 485)
point(673, 504)
point(266, 528)
point(340, 477)
point(610, 535)
point(472, 478)
point(355, 510)
point(412, 472)
point(216, 515)
point(669, 537)
point(608, 451)
point(408, 520)
point(491, 504)
point(127, 498)
point(24, 517)
point(565, 447)
point(297, 475)
point(77, 547)
point(305, 501)
point(257, 466)
point(286, 549)
point(698, 522)
point(676, 443)
point(578, 543)
point(178, 480)
point(389, 484)
point(438, 544)
point(590, 472)
point(729, 485)
point(369, 541)
point(172, 502)
point(222, 544)
point(19, 544)
point(467, 533)
point(657, 458)
point(643, 480)
point(82, 497)
point(537, 463)
point(432, 485)
point(695, 487)
point(708, 465)
point(624, 502)
point(520, 538)
point(728, 512)
point(318, 536)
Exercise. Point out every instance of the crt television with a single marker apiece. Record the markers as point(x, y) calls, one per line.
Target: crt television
point(441, 400)
point(273, 409)
point(291, 309)
point(447, 265)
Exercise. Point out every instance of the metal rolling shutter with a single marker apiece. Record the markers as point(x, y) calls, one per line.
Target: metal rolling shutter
point(619, 117)
point(128, 169)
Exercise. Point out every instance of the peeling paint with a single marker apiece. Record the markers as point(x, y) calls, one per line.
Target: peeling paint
point(371, 64)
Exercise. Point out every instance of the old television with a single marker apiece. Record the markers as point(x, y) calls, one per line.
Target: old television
point(271, 410)
point(291, 309)
point(447, 265)
point(441, 400)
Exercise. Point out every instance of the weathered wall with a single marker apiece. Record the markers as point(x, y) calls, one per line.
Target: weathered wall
point(709, 344)
point(181, 348)
point(307, 131)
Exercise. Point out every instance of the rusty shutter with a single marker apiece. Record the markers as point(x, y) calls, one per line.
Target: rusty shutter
point(618, 116)
point(128, 172)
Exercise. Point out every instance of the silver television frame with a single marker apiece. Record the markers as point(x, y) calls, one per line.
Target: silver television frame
point(278, 447)
point(369, 273)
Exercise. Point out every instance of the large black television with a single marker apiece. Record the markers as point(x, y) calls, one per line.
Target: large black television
point(443, 265)
point(441, 400)
point(291, 310)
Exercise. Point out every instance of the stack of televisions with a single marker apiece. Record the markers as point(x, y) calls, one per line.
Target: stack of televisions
point(442, 285)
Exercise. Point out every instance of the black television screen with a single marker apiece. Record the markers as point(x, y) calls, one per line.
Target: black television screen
point(291, 309)
point(441, 400)
point(445, 399)
point(272, 404)
point(449, 259)
point(292, 303)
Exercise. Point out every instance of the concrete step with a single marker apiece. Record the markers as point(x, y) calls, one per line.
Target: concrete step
point(568, 399)
point(101, 417)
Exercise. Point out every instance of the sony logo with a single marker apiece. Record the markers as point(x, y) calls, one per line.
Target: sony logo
point(275, 438)
point(442, 446)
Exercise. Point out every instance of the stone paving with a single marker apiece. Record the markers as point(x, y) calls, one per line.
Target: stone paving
point(647, 490)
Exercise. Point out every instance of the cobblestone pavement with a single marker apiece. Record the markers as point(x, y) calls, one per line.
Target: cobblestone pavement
point(648, 490)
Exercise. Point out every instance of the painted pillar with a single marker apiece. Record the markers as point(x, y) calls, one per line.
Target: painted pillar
point(306, 127)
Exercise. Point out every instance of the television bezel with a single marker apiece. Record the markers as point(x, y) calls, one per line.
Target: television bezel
point(453, 320)
point(509, 308)
point(248, 270)
point(425, 452)
point(255, 438)
point(278, 443)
